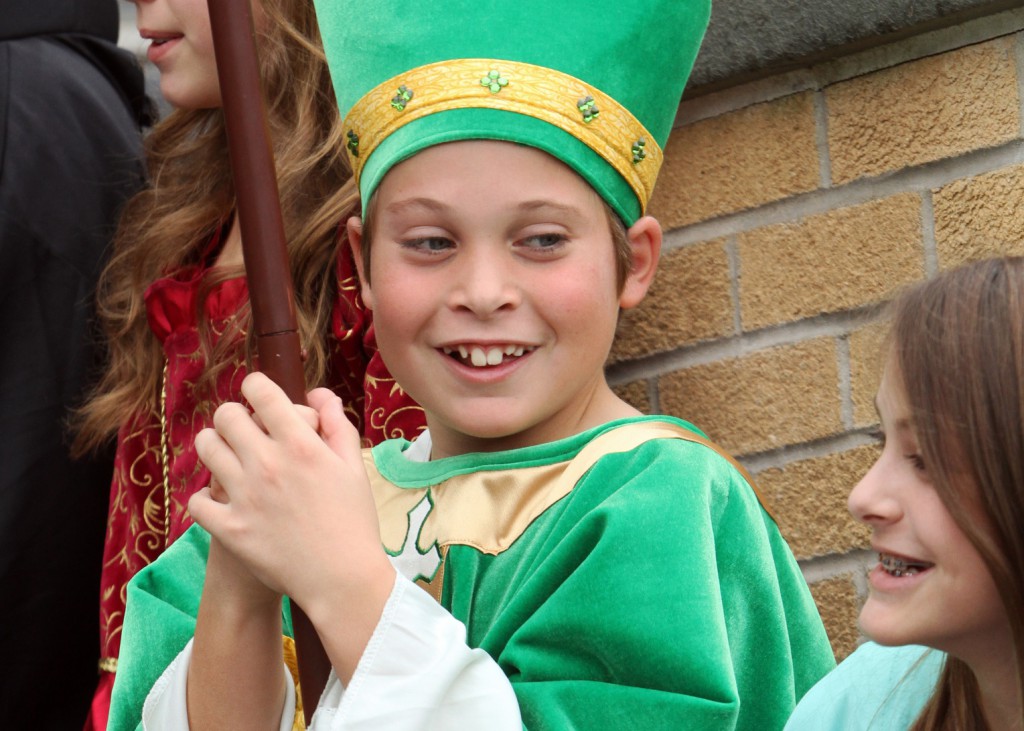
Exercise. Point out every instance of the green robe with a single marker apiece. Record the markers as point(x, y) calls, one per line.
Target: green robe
point(626, 577)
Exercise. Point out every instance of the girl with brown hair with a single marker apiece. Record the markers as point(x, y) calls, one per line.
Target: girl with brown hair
point(173, 300)
point(945, 502)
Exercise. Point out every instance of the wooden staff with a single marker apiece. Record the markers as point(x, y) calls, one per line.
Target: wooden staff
point(271, 292)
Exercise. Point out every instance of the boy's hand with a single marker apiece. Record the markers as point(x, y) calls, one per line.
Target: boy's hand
point(226, 576)
point(297, 508)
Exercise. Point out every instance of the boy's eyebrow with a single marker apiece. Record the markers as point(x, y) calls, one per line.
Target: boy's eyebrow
point(528, 206)
point(535, 205)
point(428, 203)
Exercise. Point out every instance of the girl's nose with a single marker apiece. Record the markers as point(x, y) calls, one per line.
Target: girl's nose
point(871, 501)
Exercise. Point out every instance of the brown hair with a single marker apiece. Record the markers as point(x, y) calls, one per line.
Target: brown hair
point(958, 340)
point(190, 197)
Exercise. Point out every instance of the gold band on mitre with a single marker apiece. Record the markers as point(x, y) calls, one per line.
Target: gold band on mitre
point(586, 113)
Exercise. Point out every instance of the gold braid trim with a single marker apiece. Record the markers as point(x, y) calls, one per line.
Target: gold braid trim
point(107, 664)
point(535, 91)
point(164, 436)
point(291, 660)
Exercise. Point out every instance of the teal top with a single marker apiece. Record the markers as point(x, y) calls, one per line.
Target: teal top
point(627, 577)
point(875, 689)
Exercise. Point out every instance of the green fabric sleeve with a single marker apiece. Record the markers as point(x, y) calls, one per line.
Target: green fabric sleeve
point(657, 595)
point(160, 619)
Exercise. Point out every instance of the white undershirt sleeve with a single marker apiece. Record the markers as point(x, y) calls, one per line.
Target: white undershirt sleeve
point(417, 672)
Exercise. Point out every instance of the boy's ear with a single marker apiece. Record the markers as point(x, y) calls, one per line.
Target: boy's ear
point(645, 241)
point(354, 233)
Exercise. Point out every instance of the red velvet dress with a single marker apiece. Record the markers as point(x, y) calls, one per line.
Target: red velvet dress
point(156, 469)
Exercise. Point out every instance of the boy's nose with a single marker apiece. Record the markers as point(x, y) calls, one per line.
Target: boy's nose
point(485, 285)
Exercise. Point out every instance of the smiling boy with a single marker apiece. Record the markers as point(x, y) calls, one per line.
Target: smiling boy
point(495, 285)
point(584, 566)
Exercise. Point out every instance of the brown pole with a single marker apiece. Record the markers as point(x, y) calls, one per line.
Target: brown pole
point(271, 292)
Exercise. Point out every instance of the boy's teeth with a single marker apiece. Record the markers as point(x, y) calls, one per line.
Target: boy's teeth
point(480, 357)
point(490, 357)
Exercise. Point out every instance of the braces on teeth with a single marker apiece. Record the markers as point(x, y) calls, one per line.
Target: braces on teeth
point(897, 566)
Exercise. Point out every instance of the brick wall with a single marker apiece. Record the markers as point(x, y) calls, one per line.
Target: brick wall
point(794, 207)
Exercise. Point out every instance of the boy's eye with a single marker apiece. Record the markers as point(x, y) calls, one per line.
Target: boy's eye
point(543, 242)
point(428, 244)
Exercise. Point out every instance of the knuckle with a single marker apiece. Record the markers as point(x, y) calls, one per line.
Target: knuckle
point(228, 415)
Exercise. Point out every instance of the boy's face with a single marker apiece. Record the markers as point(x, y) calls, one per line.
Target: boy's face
point(494, 293)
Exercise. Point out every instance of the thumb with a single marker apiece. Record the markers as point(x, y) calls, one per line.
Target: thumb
point(207, 512)
point(338, 432)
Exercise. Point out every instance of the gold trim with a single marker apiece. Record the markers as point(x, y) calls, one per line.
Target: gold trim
point(164, 437)
point(489, 511)
point(107, 664)
point(291, 661)
point(435, 586)
point(535, 91)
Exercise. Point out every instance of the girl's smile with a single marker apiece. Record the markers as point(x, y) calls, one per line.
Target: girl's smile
point(895, 573)
point(930, 586)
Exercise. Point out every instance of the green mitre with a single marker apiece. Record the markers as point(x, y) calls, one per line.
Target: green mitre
point(594, 83)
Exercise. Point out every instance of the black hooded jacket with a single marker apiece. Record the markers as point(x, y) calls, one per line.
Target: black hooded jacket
point(71, 110)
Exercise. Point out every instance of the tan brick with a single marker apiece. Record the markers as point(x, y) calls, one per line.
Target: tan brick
point(771, 398)
point(837, 603)
point(738, 160)
point(980, 217)
point(828, 263)
point(934, 108)
point(634, 393)
point(690, 300)
point(808, 499)
point(866, 362)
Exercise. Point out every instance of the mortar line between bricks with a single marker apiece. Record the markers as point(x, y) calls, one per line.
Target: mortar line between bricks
point(815, 449)
point(820, 326)
point(821, 568)
point(654, 395)
point(915, 179)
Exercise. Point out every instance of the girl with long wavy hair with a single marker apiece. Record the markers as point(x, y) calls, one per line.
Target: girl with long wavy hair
point(945, 504)
point(173, 301)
